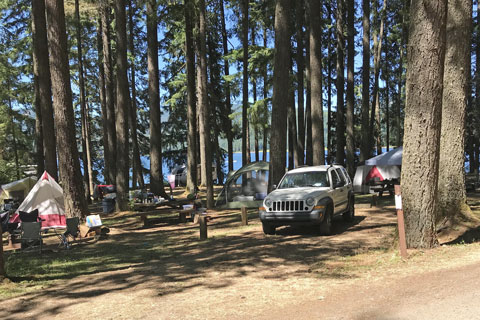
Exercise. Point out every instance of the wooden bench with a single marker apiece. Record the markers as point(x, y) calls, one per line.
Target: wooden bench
point(182, 215)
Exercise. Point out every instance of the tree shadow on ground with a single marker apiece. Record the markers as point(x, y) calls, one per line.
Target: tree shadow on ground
point(470, 236)
point(170, 259)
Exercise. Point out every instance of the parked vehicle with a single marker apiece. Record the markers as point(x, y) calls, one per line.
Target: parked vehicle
point(309, 196)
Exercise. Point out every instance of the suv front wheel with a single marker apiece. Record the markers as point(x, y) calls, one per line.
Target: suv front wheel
point(267, 228)
point(326, 225)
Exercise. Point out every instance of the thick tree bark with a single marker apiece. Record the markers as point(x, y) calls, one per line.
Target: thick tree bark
point(205, 148)
point(300, 156)
point(137, 171)
point(350, 86)
point(75, 205)
point(452, 199)
point(374, 126)
point(103, 101)
point(365, 151)
point(228, 103)
point(156, 173)
point(281, 87)
point(318, 140)
point(245, 137)
point(191, 101)
point(340, 128)
point(110, 148)
point(423, 120)
point(43, 97)
point(123, 105)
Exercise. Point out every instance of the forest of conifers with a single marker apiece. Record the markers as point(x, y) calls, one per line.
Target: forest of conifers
point(90, 88)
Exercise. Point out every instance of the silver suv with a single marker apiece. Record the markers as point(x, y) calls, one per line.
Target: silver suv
point(309, 195)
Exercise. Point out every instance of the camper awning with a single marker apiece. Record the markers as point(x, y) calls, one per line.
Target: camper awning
point(391, 158)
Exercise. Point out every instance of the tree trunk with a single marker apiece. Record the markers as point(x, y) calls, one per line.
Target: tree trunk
point(330, 155)
point(191, 101)
point(350, 86)
point(2, 260)
point(375, 114)
point(255, 124)
point(292, 128)
point(340, 128)
point(308, 101)
point(300, 156)
point(228, 103)
point(12, 127)
point(123, 105)
point(137, 171)
point(245, 138)
point(110, 149)
point(39, 157)
point(452, 199)
point(387, 110)
point(423, 120)
point(365, 151)
point(75, 205)
point(281, 87)
point(205, 148)
point(318, 140)
point(83, 107)
point(103, 101)
point(265, 96)
point(156, 172)
point(43, 99)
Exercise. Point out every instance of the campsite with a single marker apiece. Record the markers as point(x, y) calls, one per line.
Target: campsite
point(234, 272)
point(242, 159)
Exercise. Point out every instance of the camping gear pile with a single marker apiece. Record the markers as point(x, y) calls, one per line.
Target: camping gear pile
point(41, 210)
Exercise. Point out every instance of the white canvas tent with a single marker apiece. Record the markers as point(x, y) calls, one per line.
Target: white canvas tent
point(47, 197)
point(17, 189)
point(365, 173)
point(390, 158)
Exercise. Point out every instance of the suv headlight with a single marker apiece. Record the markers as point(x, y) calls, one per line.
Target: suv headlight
point(268, 203)
point(310, 201)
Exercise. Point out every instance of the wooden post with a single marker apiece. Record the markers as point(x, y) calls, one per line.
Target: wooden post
point(202, 221)
point(183, 216)
point(144, 219)
point(244, 216)
point(400, 221)
point(2, 265)
point(374, 200)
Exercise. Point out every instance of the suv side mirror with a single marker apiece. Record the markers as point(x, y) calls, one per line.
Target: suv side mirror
point(274, 187)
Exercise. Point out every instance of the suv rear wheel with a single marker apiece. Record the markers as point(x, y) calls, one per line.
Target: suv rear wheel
point(267, 228)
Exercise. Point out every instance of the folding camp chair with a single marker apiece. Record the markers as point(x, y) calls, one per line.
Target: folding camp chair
point(72, 231)
point(31, 234)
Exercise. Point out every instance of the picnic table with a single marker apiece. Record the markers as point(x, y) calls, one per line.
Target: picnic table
point(145, 209)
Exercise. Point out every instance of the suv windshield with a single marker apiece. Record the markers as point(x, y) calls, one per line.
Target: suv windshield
point(305, 179)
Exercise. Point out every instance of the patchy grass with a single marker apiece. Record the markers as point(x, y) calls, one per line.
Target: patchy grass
point(169, 255)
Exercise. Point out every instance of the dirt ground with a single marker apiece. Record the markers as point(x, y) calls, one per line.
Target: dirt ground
point(240, 273)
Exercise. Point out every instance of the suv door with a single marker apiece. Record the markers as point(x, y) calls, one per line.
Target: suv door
point(336, 192)
point(343, 191)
